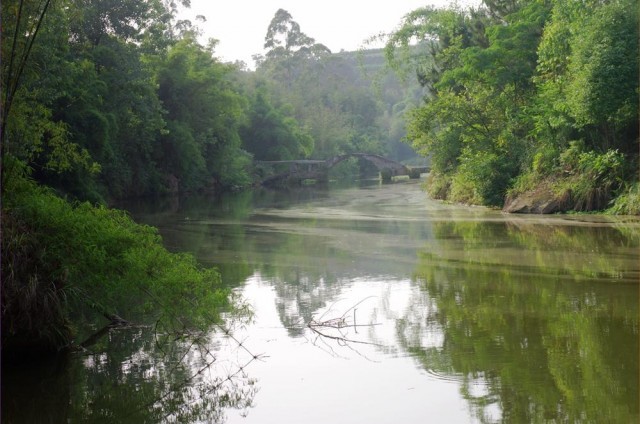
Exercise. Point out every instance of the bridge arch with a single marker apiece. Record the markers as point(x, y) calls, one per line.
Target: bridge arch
point(380, 162)
point(299, 170)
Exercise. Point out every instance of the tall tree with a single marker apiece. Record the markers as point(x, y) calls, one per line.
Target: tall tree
point(106, 104)
point(33, 42)
point(588, 74)
point(328, 95)
point(285, 39)
point(203, 114)
point(480, 81)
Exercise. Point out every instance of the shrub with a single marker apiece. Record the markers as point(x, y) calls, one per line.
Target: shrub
point(34, 292)
point(482, 178)
point(438, 185)
point(59, 257)
point(589, 178)
point(628, 202)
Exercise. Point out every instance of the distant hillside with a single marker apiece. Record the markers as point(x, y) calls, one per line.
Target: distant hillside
point(371, 61)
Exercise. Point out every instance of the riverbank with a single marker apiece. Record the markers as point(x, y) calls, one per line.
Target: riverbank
point(535, 194)
point(549, 197)
point(66, 266)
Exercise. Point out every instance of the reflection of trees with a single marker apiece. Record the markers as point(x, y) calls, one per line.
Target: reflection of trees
point(134, 379)
point(545, 341)
point(304, 253)
point(299, 296)
point(310, 264)
point(582, 251)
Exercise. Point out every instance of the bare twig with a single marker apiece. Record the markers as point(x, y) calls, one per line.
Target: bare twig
point(339, 326)
point(341, 339)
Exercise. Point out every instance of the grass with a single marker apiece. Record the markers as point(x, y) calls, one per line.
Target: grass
point(628, 202)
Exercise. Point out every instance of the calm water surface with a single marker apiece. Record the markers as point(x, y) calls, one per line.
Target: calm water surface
point(375, 304)
point(461, 314)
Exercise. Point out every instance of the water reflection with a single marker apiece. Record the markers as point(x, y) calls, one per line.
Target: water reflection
point(549, 330)
point(534, 318)
point(130, 376)
point(467, 315)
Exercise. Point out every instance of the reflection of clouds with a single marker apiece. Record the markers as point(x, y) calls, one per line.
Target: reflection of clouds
point(483, 403)
point(350, 378)
point(379, 307)
point(417, 326)
point(298, 295)
point(95, 361)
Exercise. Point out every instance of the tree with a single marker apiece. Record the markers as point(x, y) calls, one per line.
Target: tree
point(588, 74)
point(27, 126)
point(479, 72)
point(284, 39)
point(327, 94)
point(203, 114)
point(604, 64)
point(113, 101)
point(272, 134)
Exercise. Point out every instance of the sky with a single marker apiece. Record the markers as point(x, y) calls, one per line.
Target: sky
point(241, 25)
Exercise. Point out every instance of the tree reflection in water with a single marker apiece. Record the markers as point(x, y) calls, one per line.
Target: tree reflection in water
point(132, 375)
point(534, 339)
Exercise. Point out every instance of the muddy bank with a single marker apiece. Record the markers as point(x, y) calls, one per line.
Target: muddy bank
point(542, 200)
point(556, 196)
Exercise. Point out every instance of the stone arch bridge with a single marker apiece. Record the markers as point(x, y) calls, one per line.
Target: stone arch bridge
point(295, 171)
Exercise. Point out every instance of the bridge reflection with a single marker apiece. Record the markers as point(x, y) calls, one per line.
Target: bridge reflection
point(286, 172)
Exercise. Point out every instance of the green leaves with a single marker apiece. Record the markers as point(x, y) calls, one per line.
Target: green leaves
point(204, 113)
point(116, 101)
point(508, 101)
point(604, 65)
point(588, 71)
point(81, 254)
point(272, 134)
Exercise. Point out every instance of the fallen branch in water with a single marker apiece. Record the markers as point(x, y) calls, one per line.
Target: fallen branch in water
point(342, 339)
point(337, 328)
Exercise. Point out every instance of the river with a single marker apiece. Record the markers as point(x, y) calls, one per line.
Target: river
point(375, 304)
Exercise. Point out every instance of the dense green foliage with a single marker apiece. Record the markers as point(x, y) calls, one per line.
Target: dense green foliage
point(523, 94)
point(61, 260)
point(131, 104)
point(272, 133)
point(96, 104)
